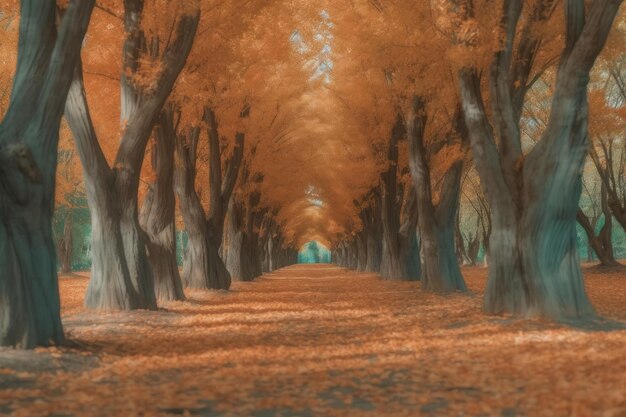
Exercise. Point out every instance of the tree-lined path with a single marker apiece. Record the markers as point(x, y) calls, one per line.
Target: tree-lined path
point(164, 164)
point(318, 340)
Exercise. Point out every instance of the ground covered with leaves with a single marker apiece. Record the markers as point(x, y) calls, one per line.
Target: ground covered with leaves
point(323, 341)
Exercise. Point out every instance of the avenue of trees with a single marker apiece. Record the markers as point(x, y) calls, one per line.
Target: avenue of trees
point(237, 133)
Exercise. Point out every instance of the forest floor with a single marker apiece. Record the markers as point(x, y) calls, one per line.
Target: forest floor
point(323, 341)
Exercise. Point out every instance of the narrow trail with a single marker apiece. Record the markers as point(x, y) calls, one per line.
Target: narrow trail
point(315, 341)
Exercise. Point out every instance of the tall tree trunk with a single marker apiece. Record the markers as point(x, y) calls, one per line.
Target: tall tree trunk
point(437, 223)
point(158, 212)
point(220, 194)
point(373, 222)
point(204, 268)
point(395, 236)
point(244, 261)
point(121, 275)
point(196, 257)
point(66, 243)
point(534, 200)
point(234, 220)
point(29, 133)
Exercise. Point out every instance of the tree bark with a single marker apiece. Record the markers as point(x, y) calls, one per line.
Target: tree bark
point(396, 236)
point(158, 212)
point(602, 243)
point(121, 275)
point(612, 177)
point(535, 264)
point(65, 243)
point(29, 133)
point(234, 230)
point(203, 266)
point(437, 222)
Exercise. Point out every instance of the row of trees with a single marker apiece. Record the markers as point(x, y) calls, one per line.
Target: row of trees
point(530, 175)
point(155, 64)
point(259, 127)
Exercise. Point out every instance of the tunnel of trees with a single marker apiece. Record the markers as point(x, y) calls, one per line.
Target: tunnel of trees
point(178, 145)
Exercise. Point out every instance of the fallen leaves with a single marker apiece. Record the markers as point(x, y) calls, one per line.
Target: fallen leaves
point(322, 341)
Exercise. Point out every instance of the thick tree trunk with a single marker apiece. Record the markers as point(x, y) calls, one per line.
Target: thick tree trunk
point(244, 261)
point(235, 239)
point(219, 277)
point(220, 190)
point(437, 223)
point(121, 277)
point(396, 237)
point(29, 297)
point(372, 236)
point(158, 213)
point(534, 200)
point(246, 258)
point(196, 257)
point(204, 268)
point(121, 274)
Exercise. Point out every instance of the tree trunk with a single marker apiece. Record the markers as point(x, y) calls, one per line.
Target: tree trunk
point(373, 232)
point(66, 243)
point(394, 251)
point(235, 239)
point(534, 199)
point(121, 277)
point(196, 257)
point(602, 244)
point(158, 211)
point(437, 223)
point(121, 274)
point(29, 297)
point(220, 190)
point(246, 258)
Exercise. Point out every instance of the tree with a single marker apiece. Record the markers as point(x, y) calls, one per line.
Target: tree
point(203, 266)
point(399, 215)
point(29, 135)
point(441, 272)
point(475, 198)
point(157, 216)
point(121, 276)
point(533, 197)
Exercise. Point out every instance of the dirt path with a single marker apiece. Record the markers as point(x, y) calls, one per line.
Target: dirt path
point(316, 341)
